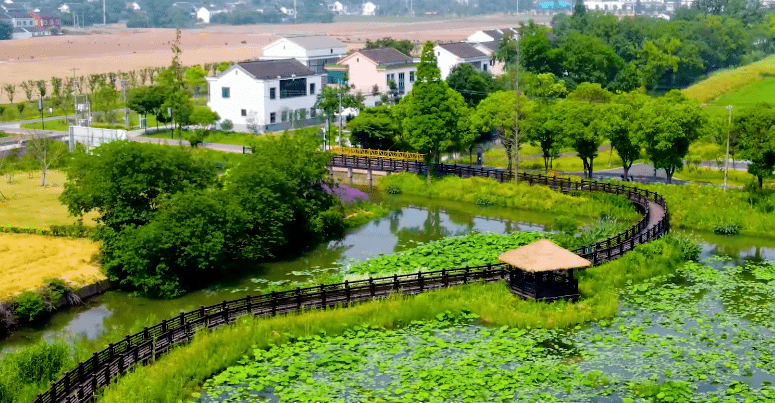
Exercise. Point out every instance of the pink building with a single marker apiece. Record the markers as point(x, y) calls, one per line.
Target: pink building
point(371, 71)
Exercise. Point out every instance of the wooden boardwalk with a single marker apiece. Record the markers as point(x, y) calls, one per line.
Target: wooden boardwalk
point(82, 383)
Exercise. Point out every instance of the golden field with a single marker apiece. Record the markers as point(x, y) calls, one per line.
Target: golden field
point(728, 81)
point(27, 204)
point(27, 260)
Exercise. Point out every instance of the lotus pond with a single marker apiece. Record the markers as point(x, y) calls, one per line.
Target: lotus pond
point(702, 334)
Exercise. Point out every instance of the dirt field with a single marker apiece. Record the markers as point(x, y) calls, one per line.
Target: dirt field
point(115, 48)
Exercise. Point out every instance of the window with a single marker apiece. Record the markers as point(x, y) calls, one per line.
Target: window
point(332, 51)
point(225, 92)
point(272, 93)
point(272, 117)
point(313, 112)
point(243, 112)
point(411, 76)
point(45, 22)
point(400, 81)
point(311, 88)
point(484, 67)
point(284, 116)
point(296, 87)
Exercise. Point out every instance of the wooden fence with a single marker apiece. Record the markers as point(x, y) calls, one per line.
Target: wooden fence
point(80, 384)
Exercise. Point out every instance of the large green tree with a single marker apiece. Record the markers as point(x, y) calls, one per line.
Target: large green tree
point(374, 128)
point(582, 129)
point(498, 114)
point(474, 85)
point(754, 128)
point(146, 100)
point(6, 30)
point(667, 126)
point(432, 114)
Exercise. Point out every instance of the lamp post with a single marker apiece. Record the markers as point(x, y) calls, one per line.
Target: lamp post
point(726, 160)
point(40, 109)
point(169, 116)
point(124, 83)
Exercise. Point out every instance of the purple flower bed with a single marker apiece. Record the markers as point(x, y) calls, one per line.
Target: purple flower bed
point(346, 194)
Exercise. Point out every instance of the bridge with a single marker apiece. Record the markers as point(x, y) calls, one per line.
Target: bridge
point(82, 383)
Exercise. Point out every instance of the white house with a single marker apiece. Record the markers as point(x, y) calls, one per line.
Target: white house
point(489, 49)
point(314, 51)
point(337, 8)
point(274, 94)
point(205, 13)
point(369, 8)
point(371, 71)
point(449, 55)
point(491, 35)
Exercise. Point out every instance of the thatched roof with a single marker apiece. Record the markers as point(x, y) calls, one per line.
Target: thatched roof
point(541, 256)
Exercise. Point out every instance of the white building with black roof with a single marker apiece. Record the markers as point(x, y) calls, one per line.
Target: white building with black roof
point(449, 55)
point(274, 94)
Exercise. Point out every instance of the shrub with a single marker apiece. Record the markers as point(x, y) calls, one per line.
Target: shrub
point(566, 225)
point(26, 371)
point(20, 106)
point(689, 246)
point(393, 189)
point(485, 200)
point(29, 306)
point(727, 228)
point(227, 125)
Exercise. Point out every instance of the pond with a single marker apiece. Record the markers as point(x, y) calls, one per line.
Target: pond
point(702, 334)
point(412, 221)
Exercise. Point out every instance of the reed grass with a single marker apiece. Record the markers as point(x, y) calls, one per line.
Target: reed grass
point(176, 375)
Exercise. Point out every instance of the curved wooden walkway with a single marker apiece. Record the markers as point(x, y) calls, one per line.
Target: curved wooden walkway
point(82, 383)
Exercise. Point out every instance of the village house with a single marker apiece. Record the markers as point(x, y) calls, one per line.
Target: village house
point(337, 8)
point(492, 35)
point(205, 12)
point(271, 94)
point(369, 8)
point(47, 19)
point(30, 24)
point(313, 51)
point(374, 72)
point(449, 55)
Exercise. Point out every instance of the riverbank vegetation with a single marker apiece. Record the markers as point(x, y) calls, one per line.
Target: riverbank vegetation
point(488, 192)
point(168, 223)
point(172, 377)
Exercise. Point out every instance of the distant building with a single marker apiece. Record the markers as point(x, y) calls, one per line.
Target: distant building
point(47, 19)
point(275, 94)
point(313, 51)
point(337, 8)
point(371, 71)
point(369, 8)
point(492, 35)
point(449, 55)
point(205, 13)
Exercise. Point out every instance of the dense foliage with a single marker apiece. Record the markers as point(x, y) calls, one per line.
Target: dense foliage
point(24, 372)
point(168, 225)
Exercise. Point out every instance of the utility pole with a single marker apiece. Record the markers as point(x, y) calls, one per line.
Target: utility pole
point(124, 83)
point(726, 160)
point(75, 97)
point(104, 19)
point(340, 118)
point(40, 108)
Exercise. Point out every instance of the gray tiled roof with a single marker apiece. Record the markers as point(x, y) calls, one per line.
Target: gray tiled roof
point(18, 14)
point(266, 69)
point(463, 50)
point(316, 42)
point(494, 34)
point(386, 56)
point(492, 45)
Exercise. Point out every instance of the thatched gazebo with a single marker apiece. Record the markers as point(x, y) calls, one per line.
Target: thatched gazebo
point(543, 271)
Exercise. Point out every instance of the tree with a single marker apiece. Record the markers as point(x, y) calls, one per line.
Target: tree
point(374, 128)
point(146, 100)
point(507, 49)
point(582, 129)
point(498, 114)
point(589, 92)
point(432, 114)
point(195, 79)
point(203, 118)
point(544, 87)
point(126, 181)
point(253, 124)
point(753, 127)
point(6, 30)
point(177, 96)
point(56, 86)
point(45, 152)
point(667, 126)
point(10, 91)
point(542, 129)
point(474, 85)
point(105, 99)
point(584, 58)
point(329, 101)
point(28, 86)
point(619, 131)
point(41, 84)
point(404, 46)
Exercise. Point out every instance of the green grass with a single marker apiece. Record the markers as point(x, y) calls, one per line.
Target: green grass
point(174, 376)
point(60, 125)
point(715, 176)
point(488, 192)
point(220, 137)
point(730, 81)
point(749, 95)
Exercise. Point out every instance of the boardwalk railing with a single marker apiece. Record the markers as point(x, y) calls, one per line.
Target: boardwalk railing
point(80, 384)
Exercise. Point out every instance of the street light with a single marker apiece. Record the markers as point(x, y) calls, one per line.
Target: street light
point(40, 109)
point(726, 160)
point(169, 116)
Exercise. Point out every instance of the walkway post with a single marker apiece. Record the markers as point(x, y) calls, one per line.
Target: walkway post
point(726, 160)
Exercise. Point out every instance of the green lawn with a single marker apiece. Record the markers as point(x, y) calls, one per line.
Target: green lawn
point(760, 91)
point(60, 125)
point(216, 136)
point(726, 82)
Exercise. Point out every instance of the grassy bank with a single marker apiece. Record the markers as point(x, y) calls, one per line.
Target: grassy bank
point(27, 204)
point(173, 377)
point(728, 81)
point(488, 192)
